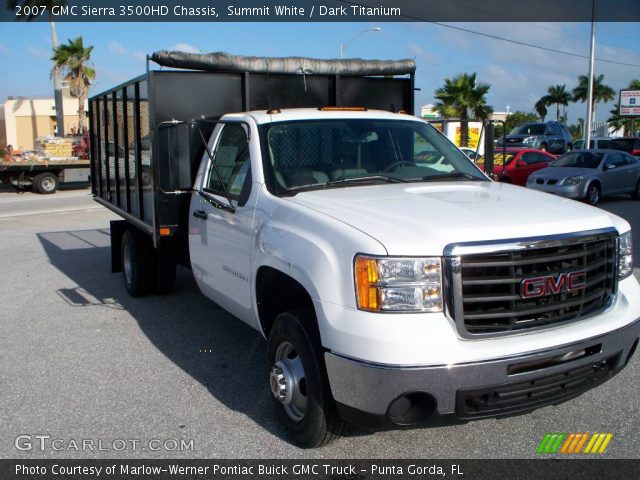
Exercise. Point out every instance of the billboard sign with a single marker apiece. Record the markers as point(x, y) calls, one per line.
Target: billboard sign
point(630, 103)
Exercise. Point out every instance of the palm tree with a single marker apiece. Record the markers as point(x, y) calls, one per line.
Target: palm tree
point(466, 97)
point(541, 108)
point(557, 95)
point(55, 74)
point(601, 92)
point(72, 59)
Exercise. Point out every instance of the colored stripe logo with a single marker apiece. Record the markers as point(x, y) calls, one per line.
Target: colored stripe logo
point(574, 443)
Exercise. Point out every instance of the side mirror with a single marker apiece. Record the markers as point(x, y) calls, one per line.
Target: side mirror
point(521, 163)
point(609, 166)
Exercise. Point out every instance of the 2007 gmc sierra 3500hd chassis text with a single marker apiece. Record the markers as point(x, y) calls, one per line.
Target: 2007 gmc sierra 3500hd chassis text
point(358, 242)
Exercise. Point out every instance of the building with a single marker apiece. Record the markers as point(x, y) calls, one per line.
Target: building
point(23, 119)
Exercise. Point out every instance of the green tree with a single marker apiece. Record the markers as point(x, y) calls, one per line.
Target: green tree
point(72, 60)
point(557, 95)
point(55, 74)
point(541, 108)
point(601, 92)
point(465, 97)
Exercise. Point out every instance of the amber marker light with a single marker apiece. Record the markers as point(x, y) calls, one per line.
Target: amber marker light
point(367, 283)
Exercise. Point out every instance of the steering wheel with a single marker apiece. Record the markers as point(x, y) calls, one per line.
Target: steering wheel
point(395, 165)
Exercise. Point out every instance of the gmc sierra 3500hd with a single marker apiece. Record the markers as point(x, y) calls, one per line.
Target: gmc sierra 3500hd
point(397, 285)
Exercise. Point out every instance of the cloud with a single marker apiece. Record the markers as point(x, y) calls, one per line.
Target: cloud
point(420, 53)
point(37, 52)
point(184, 47)
point(139, 56)
point(115, 47)
point(4, 50)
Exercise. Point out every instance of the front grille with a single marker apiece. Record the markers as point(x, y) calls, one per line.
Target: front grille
point(488, 292)
point(540, 181)
point(526, 395)
point(552, 181)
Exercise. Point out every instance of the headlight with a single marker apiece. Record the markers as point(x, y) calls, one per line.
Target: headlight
point(398, 284)
point(625, 257)
point(573, 180)
point(529, 140)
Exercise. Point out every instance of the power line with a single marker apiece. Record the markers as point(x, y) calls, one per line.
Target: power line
point(503, 39)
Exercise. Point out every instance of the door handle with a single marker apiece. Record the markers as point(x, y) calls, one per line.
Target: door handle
point(200, 214)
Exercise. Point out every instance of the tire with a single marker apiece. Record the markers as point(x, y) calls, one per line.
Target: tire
point(137, 264)
point(593, 194)
point(636, 193)
point(45, 183)
point(299, 383)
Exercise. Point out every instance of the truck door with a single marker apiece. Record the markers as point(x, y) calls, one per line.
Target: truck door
point(220, 232)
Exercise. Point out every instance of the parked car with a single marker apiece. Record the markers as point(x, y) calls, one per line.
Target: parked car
point(515, 165)
point(590, 175)
point(550, 136)
point(595, 142)
point(629, 144)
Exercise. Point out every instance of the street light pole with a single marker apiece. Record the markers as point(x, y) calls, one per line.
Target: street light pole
point(343, 46)
point(587, 136)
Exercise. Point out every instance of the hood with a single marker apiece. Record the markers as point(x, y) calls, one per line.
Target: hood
point(563, 172)
point(421, 219)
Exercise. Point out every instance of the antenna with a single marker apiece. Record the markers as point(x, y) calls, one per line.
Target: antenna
point(269, 87)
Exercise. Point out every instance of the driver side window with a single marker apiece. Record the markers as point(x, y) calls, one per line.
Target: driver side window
point(231, 157)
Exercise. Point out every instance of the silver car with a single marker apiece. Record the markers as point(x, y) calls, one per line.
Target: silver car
point(590, 175)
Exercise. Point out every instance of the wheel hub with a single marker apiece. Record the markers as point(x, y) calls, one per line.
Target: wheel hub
point(281, 380)
point(288, 381)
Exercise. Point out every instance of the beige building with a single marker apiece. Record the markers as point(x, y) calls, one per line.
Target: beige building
point(23, 119)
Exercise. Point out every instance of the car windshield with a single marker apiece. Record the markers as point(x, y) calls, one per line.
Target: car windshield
point(579, 160)
point(529, 129)
point(318, 154)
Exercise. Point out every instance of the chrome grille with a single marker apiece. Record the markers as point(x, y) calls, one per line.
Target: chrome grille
point(485, 282)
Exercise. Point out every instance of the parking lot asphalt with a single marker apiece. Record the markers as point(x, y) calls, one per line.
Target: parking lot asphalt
point(81, 360)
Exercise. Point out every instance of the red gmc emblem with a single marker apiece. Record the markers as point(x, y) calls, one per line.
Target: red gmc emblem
point(535, 287)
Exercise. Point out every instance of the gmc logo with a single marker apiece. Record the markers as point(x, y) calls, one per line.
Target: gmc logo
point(549, 285)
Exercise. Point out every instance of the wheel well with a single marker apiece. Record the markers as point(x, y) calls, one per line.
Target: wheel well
point(277, 292)
point(595, 182)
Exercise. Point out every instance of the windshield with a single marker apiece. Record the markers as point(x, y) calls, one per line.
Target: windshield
point(579, 160)
point(317, 154)
point(528, 129)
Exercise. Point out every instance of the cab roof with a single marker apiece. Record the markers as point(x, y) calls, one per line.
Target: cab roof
point(292, 114)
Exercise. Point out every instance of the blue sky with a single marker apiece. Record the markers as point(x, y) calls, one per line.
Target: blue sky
point(518, 75)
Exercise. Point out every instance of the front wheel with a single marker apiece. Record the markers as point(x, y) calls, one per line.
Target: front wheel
point(593, 194)
point(299, 383)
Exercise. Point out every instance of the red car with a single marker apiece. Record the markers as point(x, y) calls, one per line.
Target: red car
point(515, 166)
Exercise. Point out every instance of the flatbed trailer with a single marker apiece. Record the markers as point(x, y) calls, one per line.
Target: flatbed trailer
point(44, 176)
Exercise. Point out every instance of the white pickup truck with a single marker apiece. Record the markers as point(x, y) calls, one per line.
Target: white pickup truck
point(395, 283)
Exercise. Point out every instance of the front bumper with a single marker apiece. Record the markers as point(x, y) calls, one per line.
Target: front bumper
point(493, 388)
point(567, 191)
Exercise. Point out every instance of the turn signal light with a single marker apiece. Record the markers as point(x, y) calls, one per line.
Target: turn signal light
point(367, 283)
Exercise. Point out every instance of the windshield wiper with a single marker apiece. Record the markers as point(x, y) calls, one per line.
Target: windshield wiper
point(344, 181)
point(446, 176)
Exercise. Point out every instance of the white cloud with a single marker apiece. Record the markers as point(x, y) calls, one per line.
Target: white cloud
point(139, 56)
point(37, 52)
point(115, 47)
point(184, 47)
point(421, 54)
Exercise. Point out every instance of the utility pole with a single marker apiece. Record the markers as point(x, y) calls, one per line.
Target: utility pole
point(592, 53)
